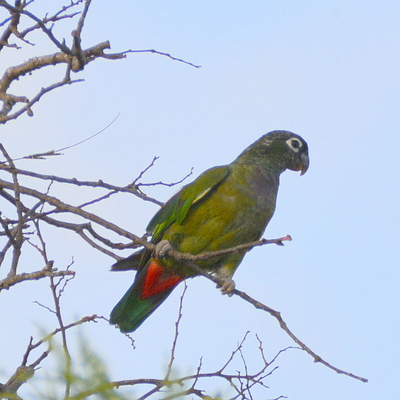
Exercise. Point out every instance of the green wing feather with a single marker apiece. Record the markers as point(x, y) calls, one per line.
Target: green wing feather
point(176, 209)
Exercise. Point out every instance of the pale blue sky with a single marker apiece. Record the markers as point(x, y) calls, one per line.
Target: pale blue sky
point(328, 71)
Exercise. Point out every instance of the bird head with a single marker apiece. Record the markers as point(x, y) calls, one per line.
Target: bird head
point(280, 149)
point(297, 149)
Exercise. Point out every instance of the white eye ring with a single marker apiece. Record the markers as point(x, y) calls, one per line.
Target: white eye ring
point(294, 144)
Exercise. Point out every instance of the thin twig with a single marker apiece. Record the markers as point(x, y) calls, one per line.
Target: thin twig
point(175, 341)
point(30, 276)
point(130, 188)
point(163, 54)
point(241, 382)
point(160, 183)
point(278, 317)
point(141, 173)
point(18, 238)
point(64, 207)
point(210, 254)
point(42, 155)
point(56, 294)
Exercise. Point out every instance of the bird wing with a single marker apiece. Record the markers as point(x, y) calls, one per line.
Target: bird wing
point(176, 209)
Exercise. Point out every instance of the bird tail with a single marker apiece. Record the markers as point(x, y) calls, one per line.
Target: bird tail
point(129, 263)
point(150, 288)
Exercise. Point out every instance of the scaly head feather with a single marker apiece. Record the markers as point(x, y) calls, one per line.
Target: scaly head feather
point(279, 150)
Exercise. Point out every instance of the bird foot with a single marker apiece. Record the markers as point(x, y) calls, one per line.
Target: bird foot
point(227, 287)
point(162, 249)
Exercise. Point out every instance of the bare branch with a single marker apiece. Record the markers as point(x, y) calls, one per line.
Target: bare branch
point(14, 73)
point(131, 188)
point(17, 239)
point(58, 16)
point(278, 317)
point(160, 183)
point(30, 276)
point(12, 28)
point(64, 207)
point(39, 22)
point(175, 341)
point(162, 54)
point(25, 371)
point(10, 101)
point(75, 58)
point(246, 246)
point(242, 382)
point(79, 60)
point(140, 176)
point(91, 318)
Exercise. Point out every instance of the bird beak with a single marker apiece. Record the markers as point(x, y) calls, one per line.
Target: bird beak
point(305, 163)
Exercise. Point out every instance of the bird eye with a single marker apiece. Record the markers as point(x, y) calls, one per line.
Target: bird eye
point(294, 144)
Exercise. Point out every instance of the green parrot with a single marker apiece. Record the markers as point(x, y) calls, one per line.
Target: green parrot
point(224, 207)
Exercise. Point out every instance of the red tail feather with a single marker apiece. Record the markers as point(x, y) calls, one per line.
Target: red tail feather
point(157, 280)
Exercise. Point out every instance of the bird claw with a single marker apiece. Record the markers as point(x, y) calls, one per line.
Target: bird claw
point(227, 287)
point(162, 248)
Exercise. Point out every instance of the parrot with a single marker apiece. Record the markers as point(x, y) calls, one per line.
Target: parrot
point(224, 207)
